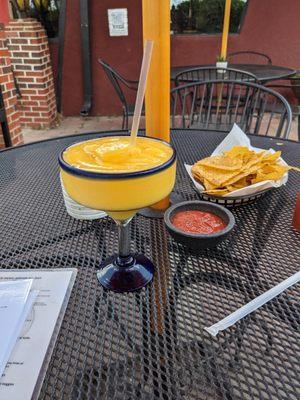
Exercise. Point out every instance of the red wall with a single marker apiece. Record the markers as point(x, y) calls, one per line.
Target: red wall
point(270, 27)
point(4, 16)
point(124, 53)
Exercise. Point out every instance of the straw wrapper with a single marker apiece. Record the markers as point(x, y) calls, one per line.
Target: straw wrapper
point(237, 137)
point(252, 305)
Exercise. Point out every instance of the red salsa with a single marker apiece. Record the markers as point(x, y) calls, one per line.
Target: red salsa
point(194, 221)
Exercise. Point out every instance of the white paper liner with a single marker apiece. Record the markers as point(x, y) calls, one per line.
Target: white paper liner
point(237, 137)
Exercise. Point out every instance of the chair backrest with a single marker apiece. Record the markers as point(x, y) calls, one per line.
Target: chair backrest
point(116, 80)
point(252, 57)
point(201, 74)
point(217, 105)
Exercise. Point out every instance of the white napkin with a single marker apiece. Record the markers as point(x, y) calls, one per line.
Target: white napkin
point(236, 137)
point(78, 211)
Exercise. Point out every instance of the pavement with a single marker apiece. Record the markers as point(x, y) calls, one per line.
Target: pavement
point(76, 125)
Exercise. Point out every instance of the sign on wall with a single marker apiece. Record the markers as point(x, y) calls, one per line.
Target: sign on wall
point(118, 22)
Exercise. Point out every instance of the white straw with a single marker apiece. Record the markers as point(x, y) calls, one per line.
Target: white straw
point(141, 90)
point(252, 305)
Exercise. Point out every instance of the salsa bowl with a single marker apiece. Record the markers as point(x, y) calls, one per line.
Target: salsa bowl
point(198, 241)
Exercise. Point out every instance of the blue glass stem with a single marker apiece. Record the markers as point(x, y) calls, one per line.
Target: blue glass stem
point(124, 257)
point(125, 272)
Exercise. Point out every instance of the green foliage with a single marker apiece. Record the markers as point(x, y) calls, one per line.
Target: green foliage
point(205, 16)
point(45, 11)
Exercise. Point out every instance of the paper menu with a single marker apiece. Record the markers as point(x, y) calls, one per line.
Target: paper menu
point(24, 373)
point(13, 300)
point(236, 137)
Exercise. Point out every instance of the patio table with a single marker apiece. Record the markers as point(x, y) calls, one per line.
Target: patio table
point(264, 73)
point(152, 344)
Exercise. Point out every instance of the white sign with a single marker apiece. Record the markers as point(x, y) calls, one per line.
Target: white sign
point(118, 22)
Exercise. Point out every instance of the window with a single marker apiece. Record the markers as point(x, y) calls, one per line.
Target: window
point(45, 11)
point(204, 16)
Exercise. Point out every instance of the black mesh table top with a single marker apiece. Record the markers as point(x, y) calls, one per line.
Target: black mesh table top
point(264, 73)
point(152, 344)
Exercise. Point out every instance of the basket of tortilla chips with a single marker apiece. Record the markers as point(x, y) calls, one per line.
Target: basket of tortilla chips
point(239, 175)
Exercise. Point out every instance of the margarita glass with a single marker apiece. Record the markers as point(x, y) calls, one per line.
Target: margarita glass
point(120, 184)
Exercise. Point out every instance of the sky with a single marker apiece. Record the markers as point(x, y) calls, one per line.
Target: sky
point(175, 2)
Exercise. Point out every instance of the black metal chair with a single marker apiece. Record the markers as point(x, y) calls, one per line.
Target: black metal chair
point(217, 105)
point(293, 85)
point(118, 81)
point(252, 57)
point(201, 74)
point(3, 122)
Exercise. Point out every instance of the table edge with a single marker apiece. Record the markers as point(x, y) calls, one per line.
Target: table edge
point(126, 131)
point(282, 76)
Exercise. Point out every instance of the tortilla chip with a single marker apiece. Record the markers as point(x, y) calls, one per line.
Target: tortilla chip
point(238, 151)
point(241, 183)
point(215, 176)
point(208, 185)
point(217, 192)
point(221, 162)
point(241, 175)
point(255, 159)
point(270, 172)
point(295, 168)
point(238, 168)
point(271, 157)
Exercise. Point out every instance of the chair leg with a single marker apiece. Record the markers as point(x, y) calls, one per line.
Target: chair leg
point(299, 127)
point(125, 120)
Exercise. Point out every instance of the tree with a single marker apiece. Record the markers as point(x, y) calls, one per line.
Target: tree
point(205, 16)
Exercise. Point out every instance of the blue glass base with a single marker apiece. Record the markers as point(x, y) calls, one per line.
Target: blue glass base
point(126, 278)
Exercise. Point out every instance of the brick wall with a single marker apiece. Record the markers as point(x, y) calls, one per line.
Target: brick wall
point(30, 57)
point(9, 93)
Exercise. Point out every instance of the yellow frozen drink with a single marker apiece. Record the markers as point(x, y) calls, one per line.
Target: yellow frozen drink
point(110, 174)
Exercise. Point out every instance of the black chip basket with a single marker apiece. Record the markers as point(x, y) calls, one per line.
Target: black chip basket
point(234, 201)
